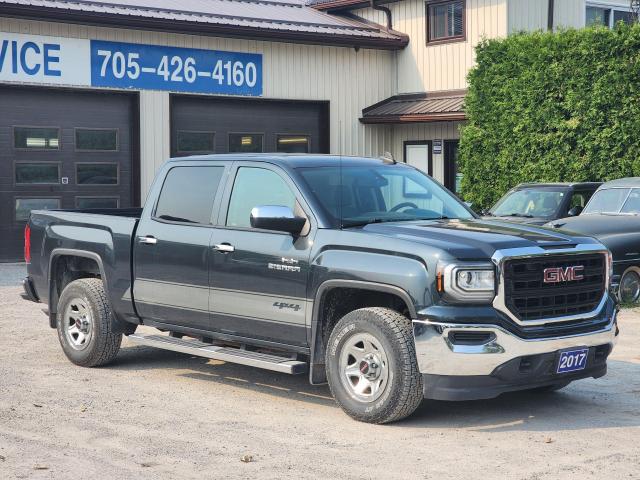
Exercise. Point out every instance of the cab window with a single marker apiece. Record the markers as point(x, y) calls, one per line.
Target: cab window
point(254, 187)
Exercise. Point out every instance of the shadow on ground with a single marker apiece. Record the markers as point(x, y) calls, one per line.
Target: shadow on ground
point(585, 404)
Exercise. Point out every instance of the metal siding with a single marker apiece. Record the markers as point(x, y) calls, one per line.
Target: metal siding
point(429, 68)
point(350, 80)
point(528, 15)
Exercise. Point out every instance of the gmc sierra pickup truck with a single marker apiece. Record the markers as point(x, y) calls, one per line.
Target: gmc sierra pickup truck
point(364, 273)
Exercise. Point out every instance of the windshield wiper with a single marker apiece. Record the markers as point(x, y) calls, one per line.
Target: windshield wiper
point(516, 214)
point(385, 220)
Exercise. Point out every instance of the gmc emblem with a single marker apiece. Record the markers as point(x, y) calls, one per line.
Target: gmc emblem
point(559, 274)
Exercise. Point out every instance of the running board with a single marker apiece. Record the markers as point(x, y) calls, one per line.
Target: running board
point(226, 354)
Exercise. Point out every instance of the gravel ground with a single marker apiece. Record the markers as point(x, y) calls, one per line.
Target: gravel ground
point(156, 414)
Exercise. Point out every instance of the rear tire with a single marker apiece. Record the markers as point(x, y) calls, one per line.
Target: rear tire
point(84, 324)
point(371, 366)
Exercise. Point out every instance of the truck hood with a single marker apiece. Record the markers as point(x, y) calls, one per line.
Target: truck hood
point(619, 233)
point(519, 220)
point(473, 239)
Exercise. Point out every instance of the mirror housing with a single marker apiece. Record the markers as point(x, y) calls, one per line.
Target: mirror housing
point(277, 218)
point(575, 211)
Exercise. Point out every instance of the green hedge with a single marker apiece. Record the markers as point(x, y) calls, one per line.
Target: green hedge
point(552, 107)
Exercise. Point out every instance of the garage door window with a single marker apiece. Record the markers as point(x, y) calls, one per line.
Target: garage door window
point(245, 143)
point(100, 140)
point(97, 173)
point(37, 173)
point(36, 138)
point(25, 205)
point(97, 202)
point(195, 142)
point(188, 193)
point(293, 144)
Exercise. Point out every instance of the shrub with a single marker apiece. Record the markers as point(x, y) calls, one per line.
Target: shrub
point(552, 107)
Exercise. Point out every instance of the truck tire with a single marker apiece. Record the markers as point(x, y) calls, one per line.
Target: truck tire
point(371, 366)
point(84, 324)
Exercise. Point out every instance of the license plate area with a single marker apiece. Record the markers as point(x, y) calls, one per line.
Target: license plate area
point(572, 360)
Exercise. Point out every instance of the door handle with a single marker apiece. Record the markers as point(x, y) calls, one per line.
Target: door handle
point(224, 248)
point(149, 240)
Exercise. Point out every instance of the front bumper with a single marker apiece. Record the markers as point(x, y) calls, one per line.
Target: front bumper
point(462, 372)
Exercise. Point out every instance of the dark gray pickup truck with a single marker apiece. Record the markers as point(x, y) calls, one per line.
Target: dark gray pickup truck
point(363, 273)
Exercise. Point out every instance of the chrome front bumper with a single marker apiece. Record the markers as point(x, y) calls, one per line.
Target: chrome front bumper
point(438, 356)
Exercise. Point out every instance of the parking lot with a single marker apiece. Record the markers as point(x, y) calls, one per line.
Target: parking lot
point(158, 414)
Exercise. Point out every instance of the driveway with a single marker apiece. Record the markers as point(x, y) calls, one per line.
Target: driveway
point(156, 414)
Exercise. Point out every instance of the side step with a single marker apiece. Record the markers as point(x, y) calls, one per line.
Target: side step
point(226, 354)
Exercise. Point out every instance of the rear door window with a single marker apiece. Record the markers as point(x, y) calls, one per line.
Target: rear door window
point(188, 194)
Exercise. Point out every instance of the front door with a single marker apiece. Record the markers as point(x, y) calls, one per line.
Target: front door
point(258, 277)
point(172, 247)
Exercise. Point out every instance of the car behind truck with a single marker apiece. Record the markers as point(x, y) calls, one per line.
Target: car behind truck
point(363, 273)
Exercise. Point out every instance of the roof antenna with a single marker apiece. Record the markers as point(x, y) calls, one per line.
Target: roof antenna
point(387, 157)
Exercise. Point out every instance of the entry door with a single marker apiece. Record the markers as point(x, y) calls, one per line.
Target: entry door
point(258, 279)
point(418, 154)
point(172, 248)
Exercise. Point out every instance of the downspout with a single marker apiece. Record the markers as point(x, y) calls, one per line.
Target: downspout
point(386, 11)
point(550, 15)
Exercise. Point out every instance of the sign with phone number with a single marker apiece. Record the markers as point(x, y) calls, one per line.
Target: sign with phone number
point(154, 67)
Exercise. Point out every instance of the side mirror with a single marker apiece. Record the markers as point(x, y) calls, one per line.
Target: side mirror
point(575, 211)
point(278, 218)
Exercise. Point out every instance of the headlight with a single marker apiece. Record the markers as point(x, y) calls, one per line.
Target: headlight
point(467, 282)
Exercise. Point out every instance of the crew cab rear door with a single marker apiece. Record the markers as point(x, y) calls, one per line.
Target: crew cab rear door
point(172, 245)
point(258, 277)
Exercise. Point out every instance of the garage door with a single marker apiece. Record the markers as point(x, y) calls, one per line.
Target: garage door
point(62, 149)
point(206, 125)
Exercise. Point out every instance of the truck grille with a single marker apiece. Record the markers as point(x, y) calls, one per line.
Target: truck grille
point(528, 297)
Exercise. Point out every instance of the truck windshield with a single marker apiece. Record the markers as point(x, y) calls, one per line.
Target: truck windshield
point(529, 202)
point(614, 201)
point(354, 195)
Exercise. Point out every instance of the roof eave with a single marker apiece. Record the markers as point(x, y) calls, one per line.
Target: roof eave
point(193, 28)
point(414, 118)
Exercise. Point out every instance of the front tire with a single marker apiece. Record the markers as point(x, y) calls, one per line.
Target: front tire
point(371, 366)
point(629, 289)
point(84, 324)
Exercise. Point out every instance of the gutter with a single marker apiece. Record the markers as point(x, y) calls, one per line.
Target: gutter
point(101, 19)
point(387, 12)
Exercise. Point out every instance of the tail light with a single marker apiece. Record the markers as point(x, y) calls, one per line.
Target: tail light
point(27, 244)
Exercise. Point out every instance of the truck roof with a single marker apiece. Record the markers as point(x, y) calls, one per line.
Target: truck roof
point(291, 160)
point(558, 184)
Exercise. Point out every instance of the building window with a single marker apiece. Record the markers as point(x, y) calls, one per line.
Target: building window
point(37, 173)
point(292, 144)
point(36, 138)
point(195, 142)
point(97, 173)
point(245, 143)
point(97, 140)
point(97, 202)
point(607, 16)
point(445, 21)
point(25, 205)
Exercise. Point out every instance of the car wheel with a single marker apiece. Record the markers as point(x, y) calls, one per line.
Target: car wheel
point(371, 366)
point(84, 324)
point(629, 289)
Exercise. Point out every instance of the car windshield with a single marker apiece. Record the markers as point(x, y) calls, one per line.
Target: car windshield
point(614, 201)
point(353, 195)
point(529, 202)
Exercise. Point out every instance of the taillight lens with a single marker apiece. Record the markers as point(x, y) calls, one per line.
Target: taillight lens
point(27, 244)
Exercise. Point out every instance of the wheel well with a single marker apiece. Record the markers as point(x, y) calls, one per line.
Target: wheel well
point(335, 304)
point(64, 270)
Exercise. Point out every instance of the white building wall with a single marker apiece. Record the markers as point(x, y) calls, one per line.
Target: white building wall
point(350, 80)
point(423, 67)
